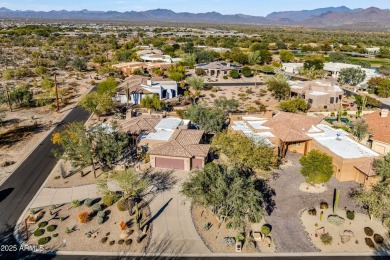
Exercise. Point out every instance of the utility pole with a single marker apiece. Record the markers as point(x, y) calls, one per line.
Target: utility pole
point(8, 98)
point(56, 90)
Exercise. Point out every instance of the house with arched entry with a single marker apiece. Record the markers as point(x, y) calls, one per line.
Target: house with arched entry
point(216, 69)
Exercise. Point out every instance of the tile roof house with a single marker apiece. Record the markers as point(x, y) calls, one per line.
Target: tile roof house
point(184, 150)
point(217, 68)
point(379, 127)
point(300, 134)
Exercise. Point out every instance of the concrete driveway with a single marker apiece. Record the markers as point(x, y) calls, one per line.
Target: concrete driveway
point(173, 230)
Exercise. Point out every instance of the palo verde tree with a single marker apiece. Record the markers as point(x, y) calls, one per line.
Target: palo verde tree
point(196, 83)
point(317, 167)
point(228, 192)
point(227, 105)
point(294, 105)
point(244, 152)
point(132, 186)
point(209, 119)
point(76, 146)
point(108, 86)
point(98, 103)
point(279, 87)
point(152, 102)
point(351, 76)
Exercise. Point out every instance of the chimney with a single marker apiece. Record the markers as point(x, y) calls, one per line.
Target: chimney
point(384, 112)
point(149, 82)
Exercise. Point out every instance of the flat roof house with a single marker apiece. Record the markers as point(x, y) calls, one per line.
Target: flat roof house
point(140, 86)
point(300, 134)
point(317, 93)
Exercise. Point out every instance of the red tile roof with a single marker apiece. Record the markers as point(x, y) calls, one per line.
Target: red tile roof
point(367, 167)
point(379, 126)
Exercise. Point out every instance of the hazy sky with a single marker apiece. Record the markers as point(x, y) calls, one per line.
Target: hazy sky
point(252, 7)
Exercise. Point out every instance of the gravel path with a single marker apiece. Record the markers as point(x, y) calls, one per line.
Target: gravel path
point(287, 232)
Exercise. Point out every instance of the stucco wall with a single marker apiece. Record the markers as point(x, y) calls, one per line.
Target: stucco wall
point(380, 147)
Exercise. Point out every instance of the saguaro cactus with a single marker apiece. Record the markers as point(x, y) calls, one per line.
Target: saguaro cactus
point(336, 200)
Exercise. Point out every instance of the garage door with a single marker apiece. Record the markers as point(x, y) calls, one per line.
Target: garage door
point(170, 163)
point(197, 163)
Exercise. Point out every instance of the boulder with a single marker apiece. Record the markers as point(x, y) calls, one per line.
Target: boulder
point(124, 235)
point(345, 239)
point(320, 231)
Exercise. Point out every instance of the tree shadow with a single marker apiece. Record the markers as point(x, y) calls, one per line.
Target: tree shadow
point(268, 193)
point(14, 250)
point(158, 213)
point(383, 251)
point(5, 193)
point(160, 181)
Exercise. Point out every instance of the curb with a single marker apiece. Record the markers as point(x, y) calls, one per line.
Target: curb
point(20, 220)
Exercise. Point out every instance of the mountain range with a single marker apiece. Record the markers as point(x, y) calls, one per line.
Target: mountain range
point(322, 17)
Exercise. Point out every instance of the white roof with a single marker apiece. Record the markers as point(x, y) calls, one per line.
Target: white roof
point(162, 135)
point(259, 139)
point(258, 124)
point(169, 124)
point(339, 143)
point(253, 118)
point(297, 87)
point(240, 126)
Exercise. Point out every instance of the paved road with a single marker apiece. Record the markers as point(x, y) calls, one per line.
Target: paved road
point(19, 189)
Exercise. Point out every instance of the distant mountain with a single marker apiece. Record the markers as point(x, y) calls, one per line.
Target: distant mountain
point(304, 14)
point(331, 16)
point(370, 15)
point(157, 15)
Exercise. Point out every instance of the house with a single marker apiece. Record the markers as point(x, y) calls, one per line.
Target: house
point(318, 94)
point(127, 68)
point(183, 150)
point(379, 127)
point(292, 68)
point(140, 86)
point(300, 134)
point(168, 141)
point(217, 68)
point(373, 50)
point(156, 58)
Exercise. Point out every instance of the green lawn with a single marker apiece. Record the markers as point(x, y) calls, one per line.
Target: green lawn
point(375, 62)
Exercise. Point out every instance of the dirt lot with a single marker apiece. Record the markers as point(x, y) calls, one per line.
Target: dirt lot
point(24, 128)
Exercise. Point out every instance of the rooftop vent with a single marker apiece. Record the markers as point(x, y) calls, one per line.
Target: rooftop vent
point(384, 112)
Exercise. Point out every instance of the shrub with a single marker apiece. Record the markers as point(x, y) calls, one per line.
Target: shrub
point(369, 242)
point(96, 208)
point(225, 77)
point(104, 240)
point(112, 242)
point(101, 214)
point(44, 240)
point(326, 239)
point(214, 89)
point(266, 229)
point(121, 241)
point(75, 203)
point(369, 232)
point(229, 241)
point(128, 242)
point(378, 239)
point(51, 228)
point(229, 225)
point(312, 212)
point(88, 202)
point(39, 232)
point(109, 199)
point(122, 205)
point(350, 215)
point(43, 224)
point(55, 235)
point(99, 220)
point(83, 217)
point(336, 220)
point(324, 205)
point(240, 237)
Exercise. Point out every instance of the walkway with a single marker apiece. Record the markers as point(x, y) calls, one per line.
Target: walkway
point(287, 231)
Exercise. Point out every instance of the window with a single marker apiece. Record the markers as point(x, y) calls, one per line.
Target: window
point(332, 100)
point(310, 101)
point(337, 100)
point(340, 97)
point(296, 144)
